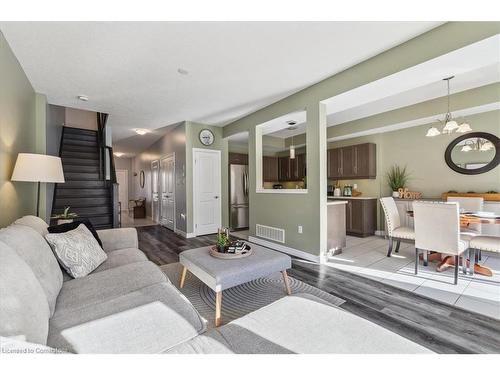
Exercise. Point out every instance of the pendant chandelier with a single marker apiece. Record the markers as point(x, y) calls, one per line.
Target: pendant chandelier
point(450, 125)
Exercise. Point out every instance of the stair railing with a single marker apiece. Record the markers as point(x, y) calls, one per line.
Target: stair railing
point(107, 171)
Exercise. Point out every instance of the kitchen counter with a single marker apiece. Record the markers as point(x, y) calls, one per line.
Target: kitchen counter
point(360, 197)
point(336, 201)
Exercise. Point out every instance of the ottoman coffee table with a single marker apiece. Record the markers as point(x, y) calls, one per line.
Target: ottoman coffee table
point(220, 274)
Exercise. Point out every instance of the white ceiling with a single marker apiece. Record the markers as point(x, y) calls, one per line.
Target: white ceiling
point(130, 69)
point(473, 66)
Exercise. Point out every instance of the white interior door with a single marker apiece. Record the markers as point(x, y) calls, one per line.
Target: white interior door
point(206, 191)
point(167, 186)
point(155, 196)
point(122, 179)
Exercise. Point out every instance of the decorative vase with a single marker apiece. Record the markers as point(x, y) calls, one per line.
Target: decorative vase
point(395, 194)
point(64, 221)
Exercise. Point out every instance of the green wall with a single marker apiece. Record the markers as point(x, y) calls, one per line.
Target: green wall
point(17, 134)
point(288, 211)
point(424, 158)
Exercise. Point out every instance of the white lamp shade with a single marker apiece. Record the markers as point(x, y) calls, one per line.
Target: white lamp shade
point(292, 152)
point(432, 132)
point(450, 126)
point(38, 168)
point(464, 128)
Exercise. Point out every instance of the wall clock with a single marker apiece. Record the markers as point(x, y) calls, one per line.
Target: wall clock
point(206, 137)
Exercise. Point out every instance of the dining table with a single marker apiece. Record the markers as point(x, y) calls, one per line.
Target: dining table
point(466, 219)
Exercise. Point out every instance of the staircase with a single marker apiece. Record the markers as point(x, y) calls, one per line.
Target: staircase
point(86, 189)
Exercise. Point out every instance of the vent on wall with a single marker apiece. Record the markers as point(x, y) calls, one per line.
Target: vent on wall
point(270, 233)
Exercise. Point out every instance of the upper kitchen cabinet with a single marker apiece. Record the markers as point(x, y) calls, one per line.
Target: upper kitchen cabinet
point(237, 158)
point(352, 162)
point(292, 169)
point(270, 168)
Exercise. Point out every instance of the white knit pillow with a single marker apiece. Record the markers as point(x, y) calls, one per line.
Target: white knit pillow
point(77, 250)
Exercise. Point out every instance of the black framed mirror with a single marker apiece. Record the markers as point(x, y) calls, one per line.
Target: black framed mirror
point(473, 153)
point(142, 179)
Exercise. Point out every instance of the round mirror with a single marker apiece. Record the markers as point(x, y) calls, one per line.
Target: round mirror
point(473, 153)
point(142, 179)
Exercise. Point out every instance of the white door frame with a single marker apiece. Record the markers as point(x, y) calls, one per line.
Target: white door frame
point(170, 155)
point(125, 204)
point(152, 187)
point(218, 152)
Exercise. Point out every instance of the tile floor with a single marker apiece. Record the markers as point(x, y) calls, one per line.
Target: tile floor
point(367, 257)
point(128, 221)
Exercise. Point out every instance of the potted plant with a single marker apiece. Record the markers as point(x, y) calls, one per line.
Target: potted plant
point(397, 177)
point(65, 217)
point(222, 240)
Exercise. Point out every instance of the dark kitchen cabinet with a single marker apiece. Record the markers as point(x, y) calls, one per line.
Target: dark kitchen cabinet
point(270, 169)
point(292, 169)
point(361, 216)
point(236, 158)
point(352, 162)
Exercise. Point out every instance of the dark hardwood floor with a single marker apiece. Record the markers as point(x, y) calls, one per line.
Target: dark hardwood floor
point(440, 327)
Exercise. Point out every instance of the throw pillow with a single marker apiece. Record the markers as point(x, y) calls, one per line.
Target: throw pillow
point(62, 228)
point(77, 251)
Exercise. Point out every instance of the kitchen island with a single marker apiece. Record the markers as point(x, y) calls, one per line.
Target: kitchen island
point(336, 218)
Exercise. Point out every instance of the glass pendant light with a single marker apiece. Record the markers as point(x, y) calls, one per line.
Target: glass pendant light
point(450, 125)
point(292, 150)
point(464, 128)
point(432, 132)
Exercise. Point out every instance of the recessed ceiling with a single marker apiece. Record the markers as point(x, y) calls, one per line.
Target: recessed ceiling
point(130, 69)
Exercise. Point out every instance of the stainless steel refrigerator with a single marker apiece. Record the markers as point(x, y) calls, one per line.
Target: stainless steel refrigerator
point(238, 196)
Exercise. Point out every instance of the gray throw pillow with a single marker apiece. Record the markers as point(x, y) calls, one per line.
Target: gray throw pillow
point(77, 250)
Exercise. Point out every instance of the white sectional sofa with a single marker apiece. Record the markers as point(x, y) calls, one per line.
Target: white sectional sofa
point(128, 305)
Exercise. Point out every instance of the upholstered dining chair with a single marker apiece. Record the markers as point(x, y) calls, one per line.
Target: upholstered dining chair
point(470, 204)
point(437, 228)
point(395, 231)
point(484, 243)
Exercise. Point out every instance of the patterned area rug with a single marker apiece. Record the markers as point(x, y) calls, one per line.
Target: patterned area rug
point(242, 299)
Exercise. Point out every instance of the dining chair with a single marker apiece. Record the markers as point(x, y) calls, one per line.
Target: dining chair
point(395, 231)
point(437, 228)
point(484, 243)
point(470, 204)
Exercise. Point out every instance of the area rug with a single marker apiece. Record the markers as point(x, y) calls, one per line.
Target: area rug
point(242, 299)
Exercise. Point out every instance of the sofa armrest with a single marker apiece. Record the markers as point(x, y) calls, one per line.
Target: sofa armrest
point(118, 238)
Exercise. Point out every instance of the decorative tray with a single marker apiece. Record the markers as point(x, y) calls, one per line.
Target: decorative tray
point(213, 252)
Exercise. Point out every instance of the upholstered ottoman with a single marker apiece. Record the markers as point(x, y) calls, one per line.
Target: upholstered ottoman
point(220, 274)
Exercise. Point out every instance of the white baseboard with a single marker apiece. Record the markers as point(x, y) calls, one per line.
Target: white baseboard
point(285, 249)
point(190, 235)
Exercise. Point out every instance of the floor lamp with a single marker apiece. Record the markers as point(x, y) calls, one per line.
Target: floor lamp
point(38, 168)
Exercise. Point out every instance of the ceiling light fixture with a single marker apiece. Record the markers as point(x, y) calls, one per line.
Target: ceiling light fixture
point(83, 98)
point(292, 150)
point(291, 122)
point(450, 125)
point(141, 131)
point(118, 154)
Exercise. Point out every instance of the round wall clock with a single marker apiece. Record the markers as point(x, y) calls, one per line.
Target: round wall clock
point(206, 137)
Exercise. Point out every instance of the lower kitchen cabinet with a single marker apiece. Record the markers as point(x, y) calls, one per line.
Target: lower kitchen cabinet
point(361, 216)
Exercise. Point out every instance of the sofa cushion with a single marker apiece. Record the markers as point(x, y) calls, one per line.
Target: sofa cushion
point(148, 320)
point(285, 326)
point(102, 286)
point(77, 250)
point(35, 223)
point(284, 323)
point(36, 252)
point(24, 310)
point(121, 257)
